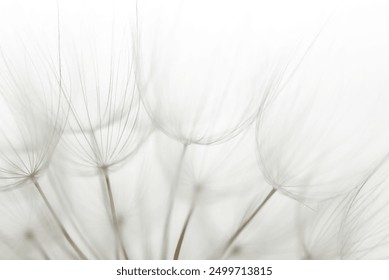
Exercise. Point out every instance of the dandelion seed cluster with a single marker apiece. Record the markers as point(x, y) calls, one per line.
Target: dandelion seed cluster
point(194, 129)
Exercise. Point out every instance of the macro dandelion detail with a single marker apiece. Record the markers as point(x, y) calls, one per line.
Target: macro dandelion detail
point(35, 135)
point(200, 84)
point(194, 130)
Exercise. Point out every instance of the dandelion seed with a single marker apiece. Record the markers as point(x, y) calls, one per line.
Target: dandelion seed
point(200, 83)
point(321, 135)
point(106, 126)
point(30, 131)
point(365, 225)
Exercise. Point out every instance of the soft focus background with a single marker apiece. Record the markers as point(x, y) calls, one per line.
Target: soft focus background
point(209, 104)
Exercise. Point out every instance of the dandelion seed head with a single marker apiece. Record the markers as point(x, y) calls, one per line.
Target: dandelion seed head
point(322, 132)
point(32, 118)
point(201, 82)
point(106, 124)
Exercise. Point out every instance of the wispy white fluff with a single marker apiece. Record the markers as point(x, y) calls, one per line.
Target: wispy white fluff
point(33, 116)
point(327, 128)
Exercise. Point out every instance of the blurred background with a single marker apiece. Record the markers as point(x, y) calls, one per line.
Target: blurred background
point(124, 121)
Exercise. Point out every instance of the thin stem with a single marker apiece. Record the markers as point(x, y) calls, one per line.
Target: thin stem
point(173, 190)
point(73, 222)
point(58, 221)
point(182, 235)
point(115, 221)
point(246, 222)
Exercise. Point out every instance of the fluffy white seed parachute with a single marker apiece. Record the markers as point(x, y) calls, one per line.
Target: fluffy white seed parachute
point(32, 117)
point(323, 132)
point(106, 125)
point(201, 83)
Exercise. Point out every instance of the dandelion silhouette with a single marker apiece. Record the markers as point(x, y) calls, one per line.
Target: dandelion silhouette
point(172, 106)
point(212, 87)
point(318, 159)
point(106, 126)
point(29, 137)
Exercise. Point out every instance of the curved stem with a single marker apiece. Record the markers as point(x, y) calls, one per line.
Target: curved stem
point(58, 221)
point(65, 202)
point(246, 222)
point(173, 190)
point(114, 215)
point(182, 235)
